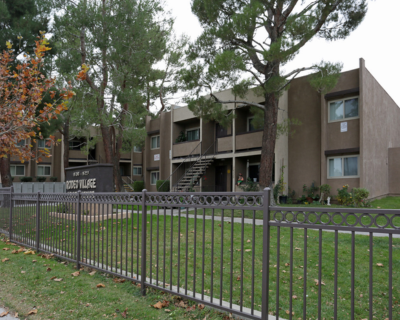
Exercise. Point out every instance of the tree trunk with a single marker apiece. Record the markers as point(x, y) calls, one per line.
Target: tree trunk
point(116, 158)
point(66, 143)
point(269, 138)
point(5, 172)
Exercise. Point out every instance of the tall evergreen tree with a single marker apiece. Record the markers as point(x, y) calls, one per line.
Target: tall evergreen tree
point(257, 38)
point(119, 42)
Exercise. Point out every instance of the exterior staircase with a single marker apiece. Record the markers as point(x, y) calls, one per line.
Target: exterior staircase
point(128, 188)
point(192, 175)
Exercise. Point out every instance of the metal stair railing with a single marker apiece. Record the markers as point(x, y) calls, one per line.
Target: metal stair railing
point(190, 156)
point(197, 161)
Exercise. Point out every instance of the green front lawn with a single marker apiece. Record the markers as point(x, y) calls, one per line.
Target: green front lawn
point(118, 241)
point(26, 284)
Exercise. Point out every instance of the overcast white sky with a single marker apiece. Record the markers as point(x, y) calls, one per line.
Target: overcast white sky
point(377, 40)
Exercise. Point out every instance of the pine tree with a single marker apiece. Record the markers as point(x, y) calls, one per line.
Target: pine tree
point(257, 38)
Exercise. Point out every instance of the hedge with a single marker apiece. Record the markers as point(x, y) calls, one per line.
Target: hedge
point(138, 186)
point(164, 188)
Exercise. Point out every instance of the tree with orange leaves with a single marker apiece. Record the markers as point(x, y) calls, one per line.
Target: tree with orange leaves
point(21, 92)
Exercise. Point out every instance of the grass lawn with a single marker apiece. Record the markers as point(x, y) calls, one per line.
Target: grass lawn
point(26, 284)
point(387, 203)
point(120, 244)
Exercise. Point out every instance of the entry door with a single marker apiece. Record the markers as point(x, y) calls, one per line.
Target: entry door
point(220, 178)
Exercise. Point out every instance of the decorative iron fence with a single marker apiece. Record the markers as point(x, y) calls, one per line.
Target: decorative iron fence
point(230, 251)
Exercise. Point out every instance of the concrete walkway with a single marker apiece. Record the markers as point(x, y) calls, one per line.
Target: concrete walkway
point(7, 317)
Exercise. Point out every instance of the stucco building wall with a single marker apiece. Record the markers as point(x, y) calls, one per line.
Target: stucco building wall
point(380, 130)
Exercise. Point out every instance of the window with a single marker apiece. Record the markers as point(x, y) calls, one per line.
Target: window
point(44, 144)
point(250, 126)
point(193, 134)
point(17, 171)
point(343, 109)
point(343, 167)
point(137, 149)
point(155, 142)
point(137, 171)
point(154, 177)
point(75, 145)
point(43, 171)
point(21, 143)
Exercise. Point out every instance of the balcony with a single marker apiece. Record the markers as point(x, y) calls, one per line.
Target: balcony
point(225, 144)
point(184, 149)
point(249, 140)
point(77, 154)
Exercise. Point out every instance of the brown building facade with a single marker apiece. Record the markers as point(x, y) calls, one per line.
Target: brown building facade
point(350, 135)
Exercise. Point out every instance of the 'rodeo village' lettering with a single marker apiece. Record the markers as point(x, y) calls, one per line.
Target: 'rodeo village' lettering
point(81, 184)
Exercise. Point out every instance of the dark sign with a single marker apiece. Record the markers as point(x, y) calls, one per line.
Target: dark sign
point(93, 178)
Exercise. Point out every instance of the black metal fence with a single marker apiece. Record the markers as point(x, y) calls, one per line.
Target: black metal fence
point(231, 251)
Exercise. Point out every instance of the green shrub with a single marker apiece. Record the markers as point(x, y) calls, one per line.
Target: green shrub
point(250, 186)
point(161, 186)
point(41, 179)
point(326, 189)
point(344, 196)
point(26, 179)
point(311, 191)
point(360, 195)
point(138, 186)
point(53, 179)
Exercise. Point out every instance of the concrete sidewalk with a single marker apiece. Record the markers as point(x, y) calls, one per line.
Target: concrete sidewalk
point(7, 317)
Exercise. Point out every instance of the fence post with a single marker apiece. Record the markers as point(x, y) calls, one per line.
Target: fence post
point(143, 251)
point(78, 236)
point(266, 244)
point(37, 221)
point(11, 212)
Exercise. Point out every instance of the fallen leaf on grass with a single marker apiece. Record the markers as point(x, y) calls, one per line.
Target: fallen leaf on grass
point(317, 282)
point(379, 264)
point(33, 261)
point(298, 249)
point(58, 279)
point(6, 249)
point(34, 311)
point(14, 252)
point(248, 241)
point(160, 305)
point(119, 280)
point(52, 278)
point(124, 314)
point(22, 271)
point(75, 274)
point(3, 314)
point(16, 315)
point(92, 273)
point(5, 259)
point(100, 285)
point(294, 297)
point(21, 250)
point(247, 250)
point(287, 312)
point(238, 278)
point(192, 308)
point(167, 310)
point(29, 252)
point(48, 269)
point(200, 306)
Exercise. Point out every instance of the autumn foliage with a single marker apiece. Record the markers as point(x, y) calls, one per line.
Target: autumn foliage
point(22, 89)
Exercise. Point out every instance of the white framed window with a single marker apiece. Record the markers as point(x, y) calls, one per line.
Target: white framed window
point(154, 177)
point(155, 142)
point(137, 149)
point(193, 134)
point(250, 126)
point(137, 170)
point(343, 109)
point(343, 167)
point(43, 171)
point(44, 144)
point(17, 171)
point(21, 143)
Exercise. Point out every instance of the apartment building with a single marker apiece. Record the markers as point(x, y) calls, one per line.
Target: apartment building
point(350, 135)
